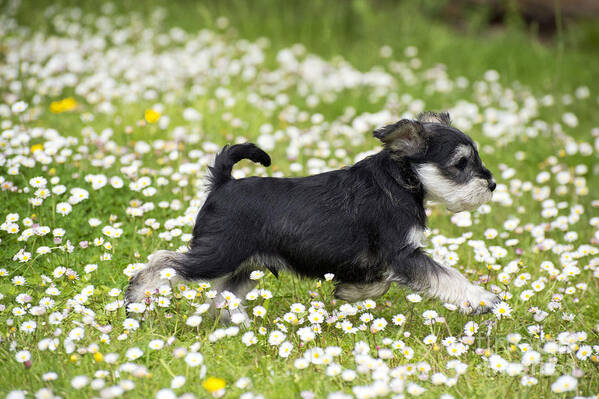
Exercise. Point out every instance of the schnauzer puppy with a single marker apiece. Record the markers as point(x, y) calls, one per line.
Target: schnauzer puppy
point(364, 223)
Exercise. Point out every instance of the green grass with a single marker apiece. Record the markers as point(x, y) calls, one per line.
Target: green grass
point(351, 32)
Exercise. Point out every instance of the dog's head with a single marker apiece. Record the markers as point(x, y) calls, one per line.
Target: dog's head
point(444, 158)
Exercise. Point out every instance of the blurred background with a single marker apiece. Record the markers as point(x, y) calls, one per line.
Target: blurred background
point(523, 39)
point(497, 66)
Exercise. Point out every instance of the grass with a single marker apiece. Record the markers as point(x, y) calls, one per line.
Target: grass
point(351, 32)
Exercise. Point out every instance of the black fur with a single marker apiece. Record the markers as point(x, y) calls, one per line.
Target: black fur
point(220, 173)
point(347, 222)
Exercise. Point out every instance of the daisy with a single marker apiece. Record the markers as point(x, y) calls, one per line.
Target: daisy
point(414, 298)
point(134, 353)
point(79, 381)
point(259, 311)
point(497, 363)
point(378, 325)
point(301, 363)
point(285, 349)
point(63, 208)
point(398, 319)
point(276, 337)
point(28, 326)
point(565, 383)
point(456, 349)
point(528, 381)
point(136, 307)
point(415, 389)
point(502, 310)
point(430, 339)
point(23, 356)
point(18, 280)
point(256, 275)
point(167, 273)
point(249, 338)
point(470, 328)
point(348, 375)
point(194, 359)
point(49, 376)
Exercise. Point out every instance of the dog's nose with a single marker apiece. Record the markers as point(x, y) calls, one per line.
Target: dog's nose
point(492, 185)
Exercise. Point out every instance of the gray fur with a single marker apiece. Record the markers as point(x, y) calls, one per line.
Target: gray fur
point(147, 280)
point(358, 292)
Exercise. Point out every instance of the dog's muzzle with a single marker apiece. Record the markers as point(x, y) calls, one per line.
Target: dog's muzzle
point(474, 194)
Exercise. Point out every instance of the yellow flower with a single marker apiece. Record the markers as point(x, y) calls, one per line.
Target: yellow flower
point(56, 107)
point(151, 116)
point(36, 147)
point(98, 357)
point(67, 104)
point(213, 384)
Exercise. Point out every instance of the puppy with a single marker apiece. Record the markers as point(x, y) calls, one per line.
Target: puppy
point(364, 223)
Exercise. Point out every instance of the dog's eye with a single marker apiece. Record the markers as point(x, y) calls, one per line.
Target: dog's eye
point(461, 164)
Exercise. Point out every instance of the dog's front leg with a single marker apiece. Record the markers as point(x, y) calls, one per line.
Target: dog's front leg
point(422, 274)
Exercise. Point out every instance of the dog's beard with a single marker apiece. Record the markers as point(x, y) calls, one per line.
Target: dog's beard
point(471, 203)
point(457, 197)
point(472, 195)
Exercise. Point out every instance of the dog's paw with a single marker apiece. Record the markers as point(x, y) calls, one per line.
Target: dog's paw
point(479, 301)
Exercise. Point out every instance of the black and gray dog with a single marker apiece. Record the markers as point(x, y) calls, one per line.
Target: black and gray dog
point(364, 223)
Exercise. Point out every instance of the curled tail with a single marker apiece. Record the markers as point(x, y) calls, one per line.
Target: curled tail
point(220, 173)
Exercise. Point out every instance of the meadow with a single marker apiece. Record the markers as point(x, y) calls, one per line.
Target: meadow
point(110, 115)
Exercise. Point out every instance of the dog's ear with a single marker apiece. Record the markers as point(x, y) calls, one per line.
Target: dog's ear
point(442, 118)
point(405, 137)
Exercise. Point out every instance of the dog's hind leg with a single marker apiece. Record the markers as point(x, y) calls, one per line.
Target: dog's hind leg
point(213, 265)
point(239, 284)
point(147, 281)
point(234, 285)
point(424, 275)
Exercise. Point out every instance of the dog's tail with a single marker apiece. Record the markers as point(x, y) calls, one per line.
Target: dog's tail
point(220, 173)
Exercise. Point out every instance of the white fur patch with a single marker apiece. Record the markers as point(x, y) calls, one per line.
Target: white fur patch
point(416, 237)
point(449, 285)
point(457, 197)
